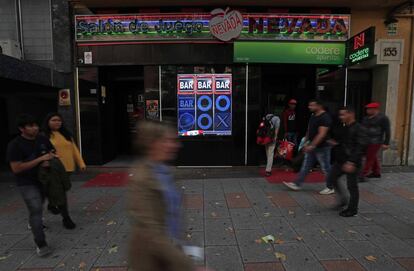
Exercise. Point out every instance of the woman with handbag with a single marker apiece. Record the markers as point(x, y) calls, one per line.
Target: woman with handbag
point(67, 152)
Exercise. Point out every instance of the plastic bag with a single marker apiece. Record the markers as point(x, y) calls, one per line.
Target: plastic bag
point(286, 149)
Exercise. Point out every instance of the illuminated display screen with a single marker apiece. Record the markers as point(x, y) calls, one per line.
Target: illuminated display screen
point(361, 47)
point(155, 27)
point(204, 104)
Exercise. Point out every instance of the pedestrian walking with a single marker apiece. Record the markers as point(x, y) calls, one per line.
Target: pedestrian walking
point(272, 123)
point(349, 143)
point(316, 148)
point(377, 127)
point(25, 154)
point(154, 203)
point(69, 155)
point(290, 123)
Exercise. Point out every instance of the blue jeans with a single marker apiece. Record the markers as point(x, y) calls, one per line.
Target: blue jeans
point(323, 156)
point(292, 137)
point(34, 198)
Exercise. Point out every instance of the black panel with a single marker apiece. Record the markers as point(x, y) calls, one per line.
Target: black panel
point(155, 54)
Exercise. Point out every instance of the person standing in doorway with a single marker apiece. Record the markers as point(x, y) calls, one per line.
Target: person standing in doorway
point(25, 154)
point(377, 127)
point(349, 143)
point(289, 122)
point(68, 154)
point(316, 148)
point(272, 123)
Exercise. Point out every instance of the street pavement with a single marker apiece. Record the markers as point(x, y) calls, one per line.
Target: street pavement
point(227, 215)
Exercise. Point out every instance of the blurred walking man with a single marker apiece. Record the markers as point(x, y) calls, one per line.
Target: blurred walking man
point(317, 148)
point(377, 127)
point(349, 148)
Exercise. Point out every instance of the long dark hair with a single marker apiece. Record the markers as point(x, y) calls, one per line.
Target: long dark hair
point(47, 131)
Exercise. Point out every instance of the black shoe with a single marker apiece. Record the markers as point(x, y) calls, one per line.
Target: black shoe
point(53, 209)
point(68, 223)
point(374, 176)
point(348, 213)
point(268, 173)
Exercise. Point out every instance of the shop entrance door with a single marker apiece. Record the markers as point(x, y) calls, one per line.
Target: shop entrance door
point(270, 89)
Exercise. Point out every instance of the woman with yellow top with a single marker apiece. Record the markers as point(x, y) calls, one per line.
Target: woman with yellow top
point(68, 153)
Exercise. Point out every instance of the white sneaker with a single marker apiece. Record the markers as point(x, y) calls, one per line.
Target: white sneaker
point(292, 186)
point(43, 251)
point(327, 191)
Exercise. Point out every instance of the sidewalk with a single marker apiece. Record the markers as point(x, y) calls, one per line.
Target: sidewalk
point(228, 216)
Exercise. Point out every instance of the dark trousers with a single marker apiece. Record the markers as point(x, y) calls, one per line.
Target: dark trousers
point(352, 184)
point(372, 164)
point(33, 197)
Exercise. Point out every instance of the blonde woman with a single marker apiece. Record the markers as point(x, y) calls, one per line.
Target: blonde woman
point(67, 152)
point(154, 203)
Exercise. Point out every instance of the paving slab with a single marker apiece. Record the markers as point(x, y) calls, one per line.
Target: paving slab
point(279, 227)
point(12, 260)
point(370, 256)
point(79, 259)
point(219, 232)
point(223, 258)
point(298, 257)
point(386, 241)
point(339, 230)
point(216, 209)
point(251, 247)
point(115, 253)
point(245, 219)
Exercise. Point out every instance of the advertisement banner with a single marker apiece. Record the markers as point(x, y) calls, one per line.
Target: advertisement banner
point(360, 47)
point(204, 104)
point(152, 109)
point(290, 52)
point(223, 25)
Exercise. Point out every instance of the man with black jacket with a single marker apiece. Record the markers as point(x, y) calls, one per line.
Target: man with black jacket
point(377, 126)
point(348, 141)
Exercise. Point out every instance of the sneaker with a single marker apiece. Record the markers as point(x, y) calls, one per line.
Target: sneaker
point(348, 213)
point(268, 173)
point(327, 191)
point(373, 176)
point(43, 251)
point(68, 223)
point(292, 186)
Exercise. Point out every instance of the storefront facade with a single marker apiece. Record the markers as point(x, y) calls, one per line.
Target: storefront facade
point(213, 77)
point(212, 74)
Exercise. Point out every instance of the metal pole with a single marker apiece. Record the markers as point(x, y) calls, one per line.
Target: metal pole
point(77, 110)
point(346, 87)
point(160, 91)
point(20, 27)
point(246, 113)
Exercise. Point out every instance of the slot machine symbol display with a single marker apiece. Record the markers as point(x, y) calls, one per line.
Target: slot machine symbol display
point(222, 95)
point(204, 104)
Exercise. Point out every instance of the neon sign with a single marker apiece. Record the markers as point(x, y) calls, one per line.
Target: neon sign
point(205, 26)
point(361, 46)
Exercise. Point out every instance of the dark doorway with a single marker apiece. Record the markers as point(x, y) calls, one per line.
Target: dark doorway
point(270, 89)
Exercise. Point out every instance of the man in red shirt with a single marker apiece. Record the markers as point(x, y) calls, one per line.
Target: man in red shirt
point(289, 122)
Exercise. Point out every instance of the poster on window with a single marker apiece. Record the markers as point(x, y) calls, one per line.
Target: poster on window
point(204, 104)
point(152, 109)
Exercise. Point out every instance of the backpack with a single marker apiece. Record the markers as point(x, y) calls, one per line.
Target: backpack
point(266, 131)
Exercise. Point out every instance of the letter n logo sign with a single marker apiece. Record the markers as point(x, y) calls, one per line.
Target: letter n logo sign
point(359, 41)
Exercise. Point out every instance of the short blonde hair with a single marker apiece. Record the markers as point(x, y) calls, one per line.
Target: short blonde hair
point(149, 132)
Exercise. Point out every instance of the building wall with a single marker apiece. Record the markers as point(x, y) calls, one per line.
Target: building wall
point(8, 20)
point(37, 30)
point(362, 19)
